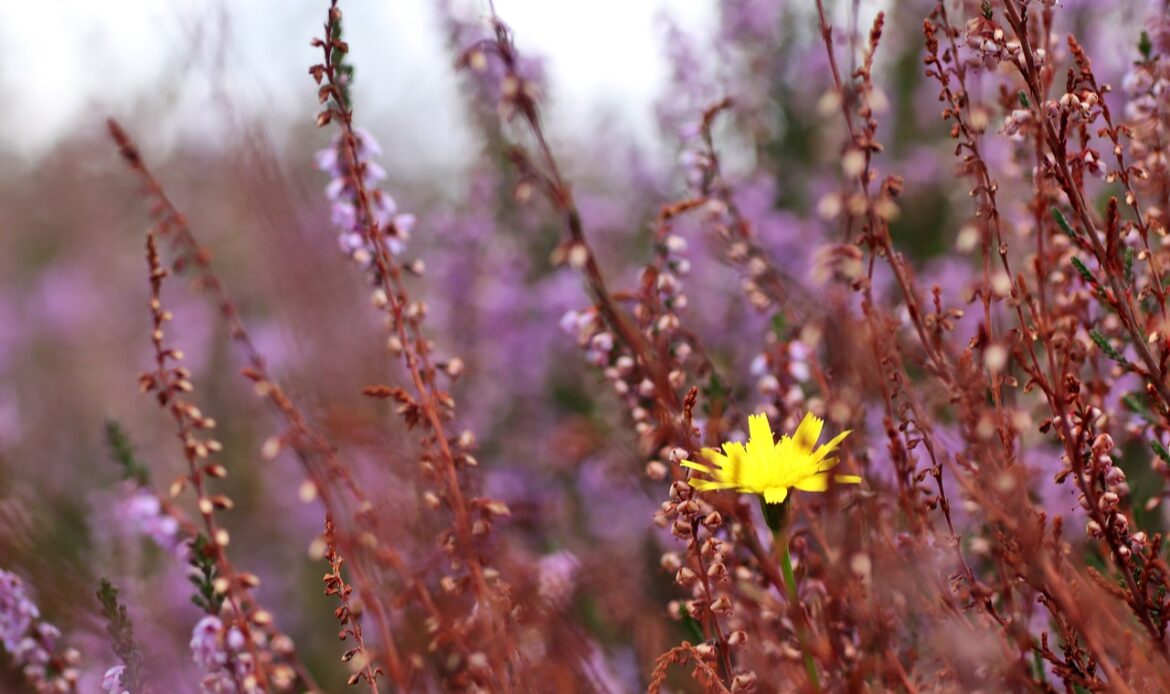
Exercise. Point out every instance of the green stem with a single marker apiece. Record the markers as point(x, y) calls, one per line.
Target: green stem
point(1039, 660)
point(780, 538)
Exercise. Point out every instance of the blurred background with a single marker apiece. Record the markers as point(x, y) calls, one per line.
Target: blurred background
point(218, 97)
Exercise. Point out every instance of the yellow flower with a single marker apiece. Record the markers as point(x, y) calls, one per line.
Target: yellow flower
point(770, 468)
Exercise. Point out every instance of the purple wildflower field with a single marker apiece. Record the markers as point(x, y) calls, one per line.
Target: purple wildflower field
point(859, 382)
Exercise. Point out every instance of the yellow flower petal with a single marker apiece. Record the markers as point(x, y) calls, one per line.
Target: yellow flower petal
point(732, 450)
point(697, 466)
point(830, 446)
point(709, 485)
point(775, 495)
point(714, 455)
point(808, 432)
point(814, 483)
point(732, 464)
point(759, 430)
point(847, 479)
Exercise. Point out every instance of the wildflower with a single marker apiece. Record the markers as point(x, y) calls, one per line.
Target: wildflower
point(769, 468)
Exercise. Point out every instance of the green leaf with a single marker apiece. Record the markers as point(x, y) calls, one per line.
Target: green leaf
point(121, 631)
point(693, 628)
point(1109, 350)
point(122, 451)
point(1084, 271)
point(1160, 450)
point(1129, 255)
point(1063, 224)
point(1024, 102)
point(779, 324)
point(203, 560)
point(1135, 405)
point(1038, 664)
point(714, 392)
point(1145, 46)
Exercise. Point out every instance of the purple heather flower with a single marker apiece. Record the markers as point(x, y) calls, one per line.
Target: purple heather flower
point(557, 578)
point(112, 680)
point(367, 147)
point(17, 612)
point(143, 512)
point(223, 654)
point(328, 161)
point(335, 189)
point(29, 641)
point(344, 199)
point(205, 647)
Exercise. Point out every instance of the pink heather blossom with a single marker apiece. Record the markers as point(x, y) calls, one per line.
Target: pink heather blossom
point(223, 655)
point(30, 642)
point(205, 648)
point(142, 511)
point(343, 195)
point(17, 612)
point(112, 680)
point(557, 578)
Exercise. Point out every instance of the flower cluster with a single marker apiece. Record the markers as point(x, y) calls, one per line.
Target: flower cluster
point(31, 642)
point(781, 371)
point(222, 651)
point(989, 44)
point(349, 180)
point(1147, 109)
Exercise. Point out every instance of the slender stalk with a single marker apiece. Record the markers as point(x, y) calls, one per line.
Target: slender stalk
point(780, 542)
point(776, 516)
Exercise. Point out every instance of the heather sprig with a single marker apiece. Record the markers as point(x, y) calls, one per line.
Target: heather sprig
point(247, 664)
point(131, 675)
point(328, 479)
point(359, 657)
point(123, 453)
point(375, 242)
point(209, 593)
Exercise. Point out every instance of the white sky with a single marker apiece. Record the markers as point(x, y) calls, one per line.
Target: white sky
point(66, 64)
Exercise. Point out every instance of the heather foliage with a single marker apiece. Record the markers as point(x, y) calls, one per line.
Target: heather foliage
point(865, 387)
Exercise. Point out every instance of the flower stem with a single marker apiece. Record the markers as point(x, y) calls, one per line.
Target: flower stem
point(777, 520)
point(791, 581)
